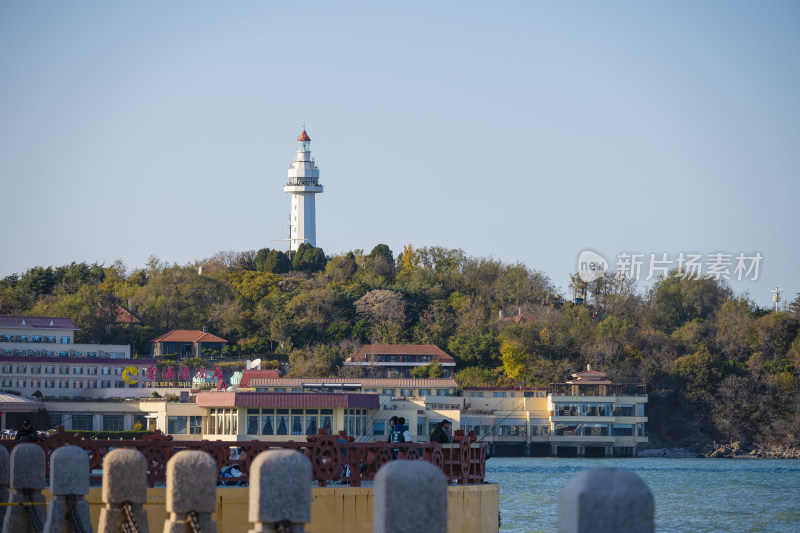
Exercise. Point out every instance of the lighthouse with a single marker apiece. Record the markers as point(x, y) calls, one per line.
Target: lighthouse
point(303, 184)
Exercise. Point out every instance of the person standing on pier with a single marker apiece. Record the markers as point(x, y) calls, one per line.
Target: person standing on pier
point(441, 433)
point(27, 433)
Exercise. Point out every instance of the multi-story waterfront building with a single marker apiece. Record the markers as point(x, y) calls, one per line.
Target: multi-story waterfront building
point(592, 416)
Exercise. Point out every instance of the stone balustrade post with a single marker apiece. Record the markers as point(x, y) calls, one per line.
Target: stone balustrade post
point(280, 491)
point(124, 491)
point(601, 500)
point(4, 459)
point(410, 496)
point(191, 493)
point(27, 467)
point(68, 511)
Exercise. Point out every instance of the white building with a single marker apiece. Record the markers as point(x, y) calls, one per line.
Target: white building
point(303, 184)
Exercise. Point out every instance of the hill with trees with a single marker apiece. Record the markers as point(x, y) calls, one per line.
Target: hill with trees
point(716, 366)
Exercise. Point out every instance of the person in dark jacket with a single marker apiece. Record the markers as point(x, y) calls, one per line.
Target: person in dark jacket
point(27, 433)
point(441, 433)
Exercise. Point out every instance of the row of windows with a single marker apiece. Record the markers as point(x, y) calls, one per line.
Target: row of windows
point(597, 409)
point(53, 353)
point(598, 430)
point(85, 422)
point(65, 383)
point(182, 425)
point(62, 369)
point(504, 394)
point(285, 421)
point(35, 338)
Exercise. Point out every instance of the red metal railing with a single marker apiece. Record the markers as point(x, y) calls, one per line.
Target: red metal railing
point(334, 458)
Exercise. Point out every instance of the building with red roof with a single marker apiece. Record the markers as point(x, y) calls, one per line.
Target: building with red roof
point(187, 343)
point(398, 360)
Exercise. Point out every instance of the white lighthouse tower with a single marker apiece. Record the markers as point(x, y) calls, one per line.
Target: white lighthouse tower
point(303, 185)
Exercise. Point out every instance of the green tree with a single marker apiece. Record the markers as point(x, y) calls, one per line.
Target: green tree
point(307, 258)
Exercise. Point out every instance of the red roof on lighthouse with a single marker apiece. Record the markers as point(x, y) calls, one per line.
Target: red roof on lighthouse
point(304, 136)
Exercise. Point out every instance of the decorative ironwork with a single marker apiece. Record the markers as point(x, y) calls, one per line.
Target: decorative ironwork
point(334, 458)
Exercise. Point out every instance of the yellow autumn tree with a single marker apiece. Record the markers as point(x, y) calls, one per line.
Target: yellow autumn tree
point(515, 359)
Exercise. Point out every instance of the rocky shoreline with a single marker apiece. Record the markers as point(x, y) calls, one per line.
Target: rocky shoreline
point(739, 450)
point(731, 450)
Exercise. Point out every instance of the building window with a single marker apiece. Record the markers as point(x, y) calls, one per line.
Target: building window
point(22, 369)
point(475, 394)
point(63, 384)
point(326, 420)
point(112, 422)
point(196, 425)
point(105, 384)
point(297, 421)
point(267, 421)
point(595, 430)
point(139, 423)
point(36, 369)
point(566, 429)
point(91, 384)
point(424, 392)
point(640, 430)
point(282, 420)
point(82, 422)
point(63, 354)
point(49, 384)
point(77, 370)
point(406, 392)
point(312, 422)
point(388, 391)
point(212, 422)
point(623, 430)
point(35, 383)
point(64, 340)
point(105, 371)
point(597, 409)
point(623, 410)
point(379, 427)
point(119, 384)
point(513, 427)
point(252, 421)
point(63, 370)
point(91, 370)
point(22, 383)
point(442, 392)
point(176, 425)
point(7, 369)
point(497, 394)
point(77, 384)
point(49, 369)
point(55, 420)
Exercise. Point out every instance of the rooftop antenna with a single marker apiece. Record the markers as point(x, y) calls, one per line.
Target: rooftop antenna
point(776, 296)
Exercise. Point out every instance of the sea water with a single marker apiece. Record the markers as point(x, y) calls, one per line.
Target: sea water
point(690, 494)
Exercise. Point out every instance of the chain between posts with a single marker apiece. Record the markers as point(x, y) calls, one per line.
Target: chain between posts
point(193, 521)
point(129, 526)
point(32, 516)
point(74, 519)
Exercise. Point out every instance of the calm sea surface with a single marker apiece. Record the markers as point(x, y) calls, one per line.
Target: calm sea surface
point(690, 494)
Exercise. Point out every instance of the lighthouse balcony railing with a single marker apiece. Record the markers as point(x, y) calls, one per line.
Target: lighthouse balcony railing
point(304, 181)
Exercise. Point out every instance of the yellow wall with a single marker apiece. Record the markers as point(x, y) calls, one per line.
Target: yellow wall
point(471, 508)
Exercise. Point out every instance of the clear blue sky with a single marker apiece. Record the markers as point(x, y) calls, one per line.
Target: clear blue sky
point(525, 131)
